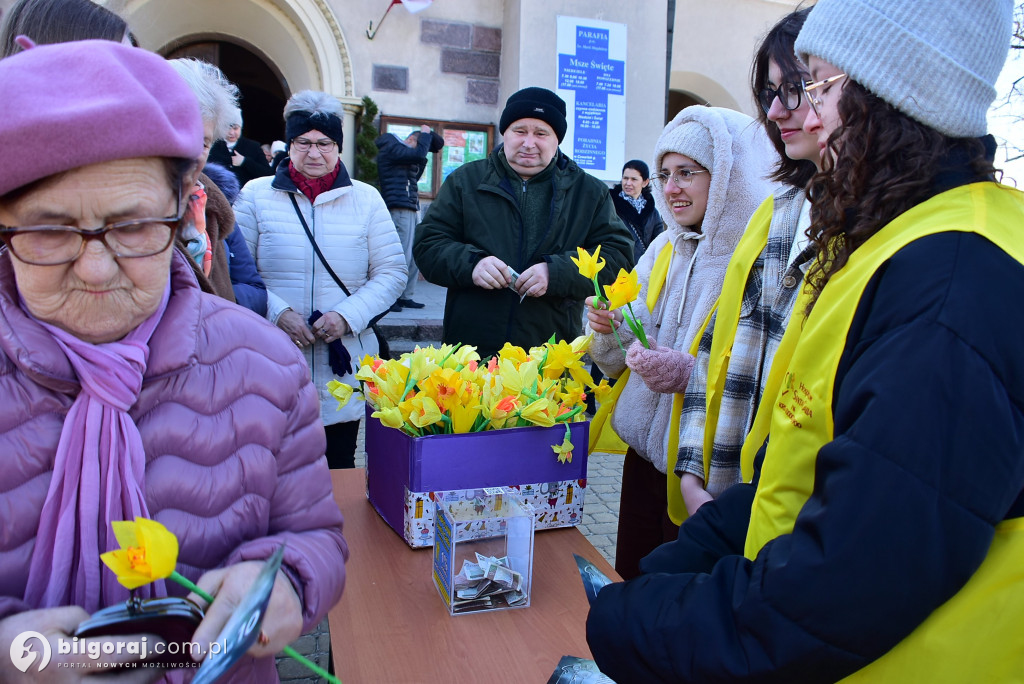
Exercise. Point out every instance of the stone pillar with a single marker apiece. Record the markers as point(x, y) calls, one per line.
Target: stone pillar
point(353, 107)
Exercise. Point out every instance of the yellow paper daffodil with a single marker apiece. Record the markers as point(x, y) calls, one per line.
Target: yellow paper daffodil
point(340, 391)
point(564, 450)
point(444, 386)
point(601, 390)
point(514, 378)
point(624, 290)
point(538, 412)
point(464, 417)
point(445, 389)
point(423, 411)
point(149, 552)
point(390, 417)
point(589, 265)
point(513, 353)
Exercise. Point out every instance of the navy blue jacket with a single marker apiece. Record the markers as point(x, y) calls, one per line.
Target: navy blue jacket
point(249, 288)
point(399, 168)
point(928, 457)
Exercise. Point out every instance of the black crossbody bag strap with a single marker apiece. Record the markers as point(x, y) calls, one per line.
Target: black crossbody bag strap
point(320, 255)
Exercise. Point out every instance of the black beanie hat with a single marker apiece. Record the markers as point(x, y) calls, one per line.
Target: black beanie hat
point(300, 123)
point(534, 103)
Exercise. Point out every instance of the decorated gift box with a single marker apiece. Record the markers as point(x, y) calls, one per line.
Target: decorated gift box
point(442, 425)
point(406, 477)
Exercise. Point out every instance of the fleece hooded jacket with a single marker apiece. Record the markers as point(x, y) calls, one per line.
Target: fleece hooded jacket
point(742, 159)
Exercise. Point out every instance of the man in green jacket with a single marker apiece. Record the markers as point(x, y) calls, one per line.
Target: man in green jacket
point(502, 229)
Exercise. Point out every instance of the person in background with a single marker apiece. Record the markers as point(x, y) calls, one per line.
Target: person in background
point(400, 165)
point(762, 283)
point(267, 152)
point(711, 167)
point(502, 231)
point(250, 290)
point(635, 206)
point(242, 155)
point(60, 21)
point(130, 392)
point(884, 536)
point(279, 151)
point(313, 192)
point(213, 219)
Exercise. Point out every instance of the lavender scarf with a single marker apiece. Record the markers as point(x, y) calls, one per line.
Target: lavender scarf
point(98, 473)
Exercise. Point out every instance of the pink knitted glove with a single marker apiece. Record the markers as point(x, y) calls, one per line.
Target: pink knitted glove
point(662, 369)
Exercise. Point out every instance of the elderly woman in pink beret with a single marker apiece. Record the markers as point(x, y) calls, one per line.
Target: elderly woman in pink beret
point(130, 393)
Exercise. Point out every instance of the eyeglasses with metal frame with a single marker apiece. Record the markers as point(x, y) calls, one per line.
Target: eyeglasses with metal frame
point(46, 245)
point(303, 145)
point(682, 178)
point(809, 87)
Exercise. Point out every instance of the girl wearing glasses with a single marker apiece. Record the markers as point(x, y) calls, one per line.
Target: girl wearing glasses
point(312, 204)
point(737, 348)
point(885, 537)
point(711, 167)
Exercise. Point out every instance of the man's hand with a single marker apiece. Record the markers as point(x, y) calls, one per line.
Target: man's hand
point(292, 323)
point(329, 327)
point(69, 668)
point(491, 273)
point(424, 128)
point(282, 623)
point(533, 282)
point(236, 158)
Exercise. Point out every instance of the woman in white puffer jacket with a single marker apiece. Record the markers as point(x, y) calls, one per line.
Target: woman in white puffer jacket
point(353, 230)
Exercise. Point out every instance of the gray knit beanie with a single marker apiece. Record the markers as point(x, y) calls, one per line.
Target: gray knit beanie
point(936, 61)
point(692, 139)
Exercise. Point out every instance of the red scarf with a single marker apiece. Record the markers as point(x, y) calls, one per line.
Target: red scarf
point(311, 187)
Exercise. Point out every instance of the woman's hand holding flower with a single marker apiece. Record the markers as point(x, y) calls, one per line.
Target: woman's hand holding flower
point(296, 328)
point(600, 318)
point(663, 369)
point(282, 623)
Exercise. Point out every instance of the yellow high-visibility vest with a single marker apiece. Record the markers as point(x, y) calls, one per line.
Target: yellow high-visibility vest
point(954, 644)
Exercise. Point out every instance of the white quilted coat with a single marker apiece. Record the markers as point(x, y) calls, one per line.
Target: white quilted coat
point(354, 230)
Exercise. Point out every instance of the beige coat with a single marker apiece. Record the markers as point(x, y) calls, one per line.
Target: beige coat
point(743, 158)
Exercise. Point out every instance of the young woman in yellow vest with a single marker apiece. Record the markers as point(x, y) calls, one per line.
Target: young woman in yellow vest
point(886, 536)
point(710, 169)
point(761, 284)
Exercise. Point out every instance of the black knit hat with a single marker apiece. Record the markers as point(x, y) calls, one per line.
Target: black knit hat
point(535, 103)
point(300, 123)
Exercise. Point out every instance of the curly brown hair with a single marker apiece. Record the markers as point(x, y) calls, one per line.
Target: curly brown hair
point(882, 164)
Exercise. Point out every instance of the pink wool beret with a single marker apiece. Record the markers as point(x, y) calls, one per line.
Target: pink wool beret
point(68, 105)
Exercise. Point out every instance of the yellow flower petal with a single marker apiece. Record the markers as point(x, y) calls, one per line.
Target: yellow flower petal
point(149, 551)
point(624, 290)
point(588, 264)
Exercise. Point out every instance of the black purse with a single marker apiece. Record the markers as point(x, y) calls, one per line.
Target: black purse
point(382, 342)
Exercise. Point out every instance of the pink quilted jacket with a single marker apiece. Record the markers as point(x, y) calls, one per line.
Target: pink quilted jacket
point(233, 438)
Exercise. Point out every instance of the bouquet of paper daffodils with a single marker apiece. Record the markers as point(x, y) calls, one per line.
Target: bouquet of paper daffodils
point(446, 390)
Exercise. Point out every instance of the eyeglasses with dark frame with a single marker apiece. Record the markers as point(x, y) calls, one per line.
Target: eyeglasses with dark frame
point(788, 92)
point(683, 178)
point(816, 101)
point(46, 245)
point(325, 146)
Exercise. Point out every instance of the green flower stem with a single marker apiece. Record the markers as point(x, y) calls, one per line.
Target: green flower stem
point(617, 338)
point(310, 665)
point(185, 582)
point(288, 650)
point(637, 326)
